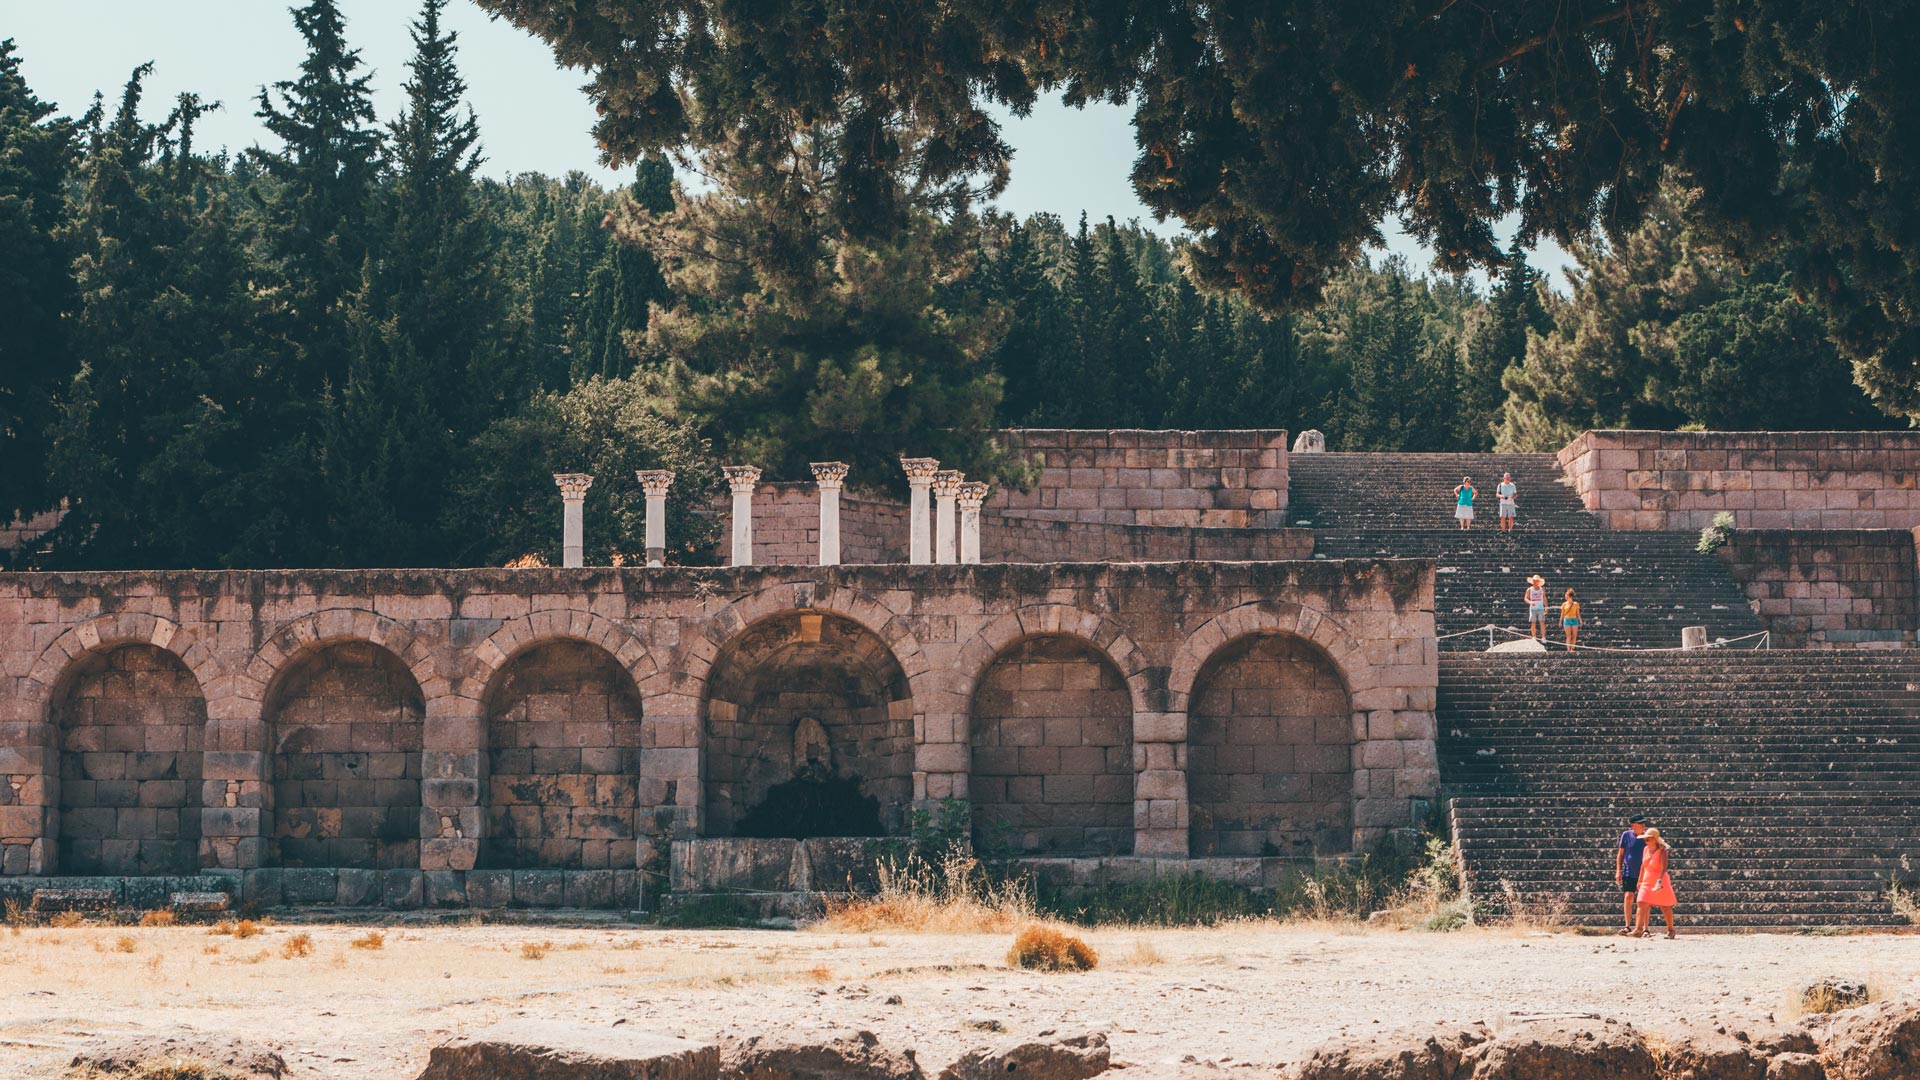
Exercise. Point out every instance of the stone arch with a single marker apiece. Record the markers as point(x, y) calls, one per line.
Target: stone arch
point(563, 723)
point(1267, 617)
point(549, 624)
point(296, 637)
point(129, 726)
point(883, 622)
point(341, 720)
point(1269, 722)
point(1050, 729)
point(1034, 620)
point(808, 722)
point(55, 662)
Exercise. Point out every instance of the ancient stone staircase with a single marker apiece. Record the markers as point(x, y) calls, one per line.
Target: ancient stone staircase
point(1788, 782)
point(1637, 589)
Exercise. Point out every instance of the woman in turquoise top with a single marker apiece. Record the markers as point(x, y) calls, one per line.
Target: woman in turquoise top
point(1463, 502)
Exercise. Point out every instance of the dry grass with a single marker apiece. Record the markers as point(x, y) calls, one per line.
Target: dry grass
point(297, 946)
point(241, 929)
point(535, 950)
point(67, 920)
point(1824, 997)
point(820, 973)
point(159, 918)
point(1143, 954)
point(1548, 913)
point(372, 939)
point(1043, 948)
point(955, 897)
point(126, 943)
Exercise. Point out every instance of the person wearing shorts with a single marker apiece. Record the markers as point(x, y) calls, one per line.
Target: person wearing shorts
point(1626, 867)
point(1537, 608)
point(1463, 503)
point(1570, 620)
point(1509, 501)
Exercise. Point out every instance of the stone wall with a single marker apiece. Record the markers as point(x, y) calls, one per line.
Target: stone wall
point(1270, 752)
point(786, 532)
point(361, 716)
point(1829, 589)
point(1768, 480)
point(1193, 479)
point(129, 723)
point(1052, 769)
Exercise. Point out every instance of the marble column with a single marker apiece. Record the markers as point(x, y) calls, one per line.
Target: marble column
point(973, 495)
point(573, 495)
point(655, 483)
point(946, 488)
point(831, 476)
point(742, 478)
point(919, 537)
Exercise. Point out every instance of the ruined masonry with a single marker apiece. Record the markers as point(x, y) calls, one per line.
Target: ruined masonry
point(1177, 651)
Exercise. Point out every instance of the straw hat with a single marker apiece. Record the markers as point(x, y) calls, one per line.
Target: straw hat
point(1536, 580)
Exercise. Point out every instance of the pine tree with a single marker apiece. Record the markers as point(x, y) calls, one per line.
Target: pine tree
point(37, 291)
point(793, 340)
point(166, 432)
point(1495, 344)
point(322, 177)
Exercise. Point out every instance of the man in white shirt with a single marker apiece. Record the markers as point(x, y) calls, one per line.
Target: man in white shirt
point(1509, 499)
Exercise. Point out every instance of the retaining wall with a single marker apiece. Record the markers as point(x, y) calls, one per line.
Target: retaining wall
point(1767, 480)
point(1829, 589)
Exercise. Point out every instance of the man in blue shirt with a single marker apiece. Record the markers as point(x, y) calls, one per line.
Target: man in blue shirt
point(1626, 864)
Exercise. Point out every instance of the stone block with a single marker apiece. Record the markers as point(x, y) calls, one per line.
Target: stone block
point(592, 889)
point(539, 888)
point(490, 889)
point(309, 885)
point(355, 887)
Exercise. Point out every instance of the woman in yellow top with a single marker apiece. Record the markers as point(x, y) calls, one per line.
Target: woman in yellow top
point(1570, 619)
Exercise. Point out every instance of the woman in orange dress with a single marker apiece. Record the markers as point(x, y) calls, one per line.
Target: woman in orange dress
point(1656, 887)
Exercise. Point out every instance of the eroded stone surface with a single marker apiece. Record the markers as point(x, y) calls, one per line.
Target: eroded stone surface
point(1073, 1058)
point(555, 1050)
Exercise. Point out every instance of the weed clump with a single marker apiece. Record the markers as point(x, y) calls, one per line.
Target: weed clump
point(535, 950)
point(1042, 948)
point(125, 943)
point(243, 929)
point(954, 896)
point(373, 939)
point(162, 917)
point(297, 946)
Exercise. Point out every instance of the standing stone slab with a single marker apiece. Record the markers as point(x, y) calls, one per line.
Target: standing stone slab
point(556, 1050)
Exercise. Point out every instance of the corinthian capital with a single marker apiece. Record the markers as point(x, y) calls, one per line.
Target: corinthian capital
point(946, 483)
point(655, 482)
point(573, 485)
point(830, 475)
point(741, 478)
point(920, 470)
point(973, 494)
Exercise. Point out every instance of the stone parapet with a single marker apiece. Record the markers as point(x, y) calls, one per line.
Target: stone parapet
point(1767, 480)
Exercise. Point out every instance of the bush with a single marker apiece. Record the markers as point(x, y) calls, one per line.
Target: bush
point(373, 939)
point(1042, 948)
point(1716, 535)
point(535, 950)
point(159, 918)
point(297, 946)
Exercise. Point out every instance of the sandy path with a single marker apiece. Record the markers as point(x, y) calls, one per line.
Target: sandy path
point(1233, 998)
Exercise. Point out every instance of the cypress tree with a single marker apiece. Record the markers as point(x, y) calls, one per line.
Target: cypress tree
point(37, 290)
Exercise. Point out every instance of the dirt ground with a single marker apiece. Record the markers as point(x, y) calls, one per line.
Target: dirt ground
point(1231, 1002)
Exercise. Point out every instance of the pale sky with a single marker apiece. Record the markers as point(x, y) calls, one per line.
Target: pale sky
point(533, 116)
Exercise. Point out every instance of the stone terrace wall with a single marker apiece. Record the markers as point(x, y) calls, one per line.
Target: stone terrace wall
point(1785, 480)
point(1829, 589)
point(248, 639)
point(1204, 479)
point(786, 532)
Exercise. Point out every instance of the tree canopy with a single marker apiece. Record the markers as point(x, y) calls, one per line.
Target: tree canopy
point(1283, 132)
